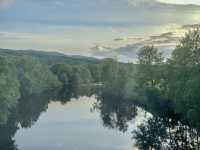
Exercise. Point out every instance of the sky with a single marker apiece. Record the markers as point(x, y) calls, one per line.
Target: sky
point(181, 1)
point(100, 28)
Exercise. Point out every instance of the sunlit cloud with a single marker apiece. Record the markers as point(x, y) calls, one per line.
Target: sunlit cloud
point(154, 2)
point(184, 2)
point(165, 41)
point(196, 16)
point(140, 2)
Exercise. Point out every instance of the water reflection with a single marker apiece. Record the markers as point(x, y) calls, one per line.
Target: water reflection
point(7, 132)
point(163, 129)
point(69, 123)
point(115, 112)
point(158, 133)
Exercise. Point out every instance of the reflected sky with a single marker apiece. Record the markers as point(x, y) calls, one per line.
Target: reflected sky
point(75, 127)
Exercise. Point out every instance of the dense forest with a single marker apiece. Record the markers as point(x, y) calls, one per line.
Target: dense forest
point(166, 88)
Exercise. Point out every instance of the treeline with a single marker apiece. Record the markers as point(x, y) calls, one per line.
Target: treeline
point(24, 73)
point(155, 81)
point(21, 76)
point(173, 84)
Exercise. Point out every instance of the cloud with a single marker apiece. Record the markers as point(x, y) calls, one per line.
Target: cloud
point(6, 3)
point(128, 39)
point(165, 42)
point(98, 47)
point(59, 3)
point(181, 2)
point(139, 3)
point(190, 26)
point(153, 3)
point(15, 35)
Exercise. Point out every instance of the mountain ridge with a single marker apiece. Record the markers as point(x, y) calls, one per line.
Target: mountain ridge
point(49, 57)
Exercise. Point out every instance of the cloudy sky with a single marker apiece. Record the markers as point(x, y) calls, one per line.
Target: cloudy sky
point(94, 27)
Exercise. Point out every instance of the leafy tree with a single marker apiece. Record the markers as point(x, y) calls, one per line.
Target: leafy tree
point(63, 72)
point(188, 50)
point(9, 88)
point(149, 55)
point(183, 82)
point(149, 70)
point(96, 72)
point(34, 77)
point(115, 77)
point(84, 74)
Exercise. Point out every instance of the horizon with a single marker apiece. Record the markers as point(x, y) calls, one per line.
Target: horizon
point(100, 28)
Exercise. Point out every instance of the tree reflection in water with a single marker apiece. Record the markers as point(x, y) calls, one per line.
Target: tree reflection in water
point(31, 107)
point(7, 132)
point(164, 130)
point(158, 132)
point(115, 112)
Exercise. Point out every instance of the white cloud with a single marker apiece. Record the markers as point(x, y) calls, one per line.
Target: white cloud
point(165, 41)
point(197, 2)
point(153, 2)
point(59, 3)
point(142, 2)
point(5, 3)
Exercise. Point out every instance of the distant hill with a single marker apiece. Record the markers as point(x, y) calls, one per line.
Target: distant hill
point(49, 58)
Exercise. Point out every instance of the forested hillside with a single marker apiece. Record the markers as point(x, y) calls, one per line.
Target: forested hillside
point(49, 58)
point(24, 73)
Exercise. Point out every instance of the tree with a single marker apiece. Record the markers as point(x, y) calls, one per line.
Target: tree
point(188, 50)
point(183, 82)
point(63, 72)
point(149, 55)
point(95, 72)
point(115, 77)
point(149, 70)
point(34, 76)
point(9, 89)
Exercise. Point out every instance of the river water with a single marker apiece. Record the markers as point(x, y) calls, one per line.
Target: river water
point(74, 126)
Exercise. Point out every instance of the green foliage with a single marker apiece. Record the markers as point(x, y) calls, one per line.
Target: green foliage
point(149, 55)
point(185, 77)
point(150, 64)
point(24, 73)
point(34, 77)
point(116, 77)
point(49, 58)
point(151, 136)
point(82, 74)
point(96, 72)
point(9, 88)
point(63, 72)
point(188, 51)
point(77, 73)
